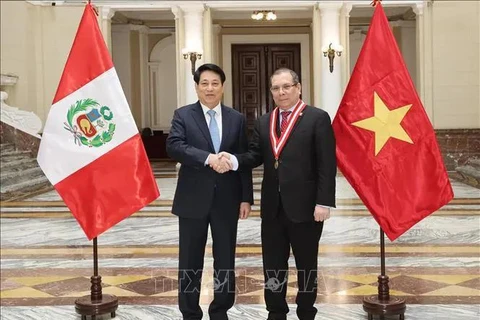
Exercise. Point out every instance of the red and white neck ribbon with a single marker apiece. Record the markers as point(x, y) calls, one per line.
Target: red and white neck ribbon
point(279, 142)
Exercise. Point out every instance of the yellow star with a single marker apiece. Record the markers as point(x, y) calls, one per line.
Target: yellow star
point(385, 123)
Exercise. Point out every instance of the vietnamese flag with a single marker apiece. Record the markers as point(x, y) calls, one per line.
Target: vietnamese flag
point(91, 150)
point(386, 145)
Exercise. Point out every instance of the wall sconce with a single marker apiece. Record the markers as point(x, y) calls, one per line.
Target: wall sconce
point(193, 55)
point(264, 15)
point(330, 53)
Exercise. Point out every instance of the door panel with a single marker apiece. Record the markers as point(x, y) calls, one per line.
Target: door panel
point(252, 67)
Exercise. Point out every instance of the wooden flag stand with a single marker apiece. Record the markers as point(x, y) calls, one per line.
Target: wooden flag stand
point(96, 303)
point(382, 304)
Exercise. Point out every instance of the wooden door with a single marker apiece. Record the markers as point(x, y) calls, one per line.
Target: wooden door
point(252, 66)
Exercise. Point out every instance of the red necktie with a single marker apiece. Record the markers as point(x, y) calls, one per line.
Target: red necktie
point(284, 123)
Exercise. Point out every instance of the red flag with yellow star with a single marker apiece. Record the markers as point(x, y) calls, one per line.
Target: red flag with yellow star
point(386, 146)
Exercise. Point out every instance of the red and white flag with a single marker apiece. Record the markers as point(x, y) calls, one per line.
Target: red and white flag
point(91, 150)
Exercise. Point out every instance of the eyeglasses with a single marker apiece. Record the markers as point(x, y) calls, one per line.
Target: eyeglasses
point(285, 87)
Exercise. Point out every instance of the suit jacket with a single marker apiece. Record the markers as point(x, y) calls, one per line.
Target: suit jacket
point(189, 143)
point(306, 170)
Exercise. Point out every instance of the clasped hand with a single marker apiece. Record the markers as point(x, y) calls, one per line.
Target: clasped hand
point(220, 162)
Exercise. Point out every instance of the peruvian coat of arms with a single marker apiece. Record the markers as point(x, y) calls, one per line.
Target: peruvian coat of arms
point(90, 123)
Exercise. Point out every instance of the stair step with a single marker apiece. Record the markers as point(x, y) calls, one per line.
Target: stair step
point(26, 186)
point(15, 157)
point(23, 163)
point(6, 144)
point(14, 153)
point(20, 172)
point(474, 163)
point(469, 171)
point(14, 178)
point(7, 147)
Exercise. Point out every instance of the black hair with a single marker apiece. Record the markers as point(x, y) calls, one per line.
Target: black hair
point(209, 67)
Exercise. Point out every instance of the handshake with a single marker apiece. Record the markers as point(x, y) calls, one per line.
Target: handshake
point(220, 162)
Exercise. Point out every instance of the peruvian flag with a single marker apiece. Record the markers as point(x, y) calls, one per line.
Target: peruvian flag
point(91, 150)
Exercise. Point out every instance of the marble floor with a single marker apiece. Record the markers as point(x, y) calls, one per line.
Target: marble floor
point(46, 260)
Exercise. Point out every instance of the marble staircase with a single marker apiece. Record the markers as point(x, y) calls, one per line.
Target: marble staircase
point(469, 173)
point(20, 173)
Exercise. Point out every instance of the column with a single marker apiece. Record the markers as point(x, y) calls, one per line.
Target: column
point(317, 57)
point(331, 93)
point(216, 46)
point(424, 56)
point(193, 17)
point(207, 36)
point(144, 84)
point(106, 14)
point(345, 42)
point(179, 45)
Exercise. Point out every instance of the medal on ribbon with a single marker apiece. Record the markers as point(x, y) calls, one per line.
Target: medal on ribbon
point(279, 142)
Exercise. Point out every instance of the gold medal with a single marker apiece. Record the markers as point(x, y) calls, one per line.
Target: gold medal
point(276, 164)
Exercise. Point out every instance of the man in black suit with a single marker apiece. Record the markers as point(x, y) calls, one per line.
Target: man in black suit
point(296, 145)
point(204, 197)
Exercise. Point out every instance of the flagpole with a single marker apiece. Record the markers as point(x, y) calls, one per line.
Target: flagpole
point(96, 303)
point(382, 252)
point(95, 253)
point(382, 304)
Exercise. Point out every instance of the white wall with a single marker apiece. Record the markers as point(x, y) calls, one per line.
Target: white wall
point(408, 47)
point(121, 55)
point(18, 52)
point(357, 36)
point(35, 43)
point(406, 42)
point(456, 62)
point(163, 60)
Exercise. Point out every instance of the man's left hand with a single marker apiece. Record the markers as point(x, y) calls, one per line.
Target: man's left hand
point(321, 213)
point(245, 209)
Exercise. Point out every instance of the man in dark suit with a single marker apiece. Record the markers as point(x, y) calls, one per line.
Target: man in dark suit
point(204, 197)
point(296, 145)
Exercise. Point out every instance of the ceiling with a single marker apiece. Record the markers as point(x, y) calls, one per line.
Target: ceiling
point(163, 17)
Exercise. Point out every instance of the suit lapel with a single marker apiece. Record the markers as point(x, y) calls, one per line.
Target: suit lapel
point(199, 118)
point(226, 123)
point(295, 126)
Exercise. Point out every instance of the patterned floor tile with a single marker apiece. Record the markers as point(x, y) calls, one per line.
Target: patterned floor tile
point(119, 292)
point(247, 284)
point(333, 285)
point(473, 283)
point(116, 280)
point(24, 292)
point(366, 290)
point(61, 288)
point(454, 291)
point(151, 286)
point(414, 286)
point(8, 284)
point(449, 279)
point(360, 278)
point(33, 281)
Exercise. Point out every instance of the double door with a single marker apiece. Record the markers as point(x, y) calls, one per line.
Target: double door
point(252, 66)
